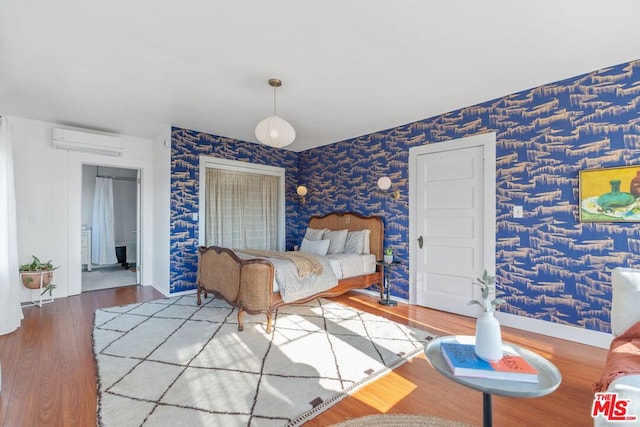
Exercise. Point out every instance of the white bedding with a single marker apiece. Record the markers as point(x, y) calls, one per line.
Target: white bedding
point(345, 266)
point(352, 265)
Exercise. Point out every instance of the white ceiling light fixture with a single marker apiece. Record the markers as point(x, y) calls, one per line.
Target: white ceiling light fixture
point(274, 131)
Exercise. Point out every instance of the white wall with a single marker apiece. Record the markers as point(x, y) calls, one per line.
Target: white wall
point(89, 173)
point(49, 200)
point(124, 209)
point(162, 205)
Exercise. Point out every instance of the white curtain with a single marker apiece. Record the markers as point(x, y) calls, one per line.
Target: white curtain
point(103, 243)
point(241, 210)
point(10, 309)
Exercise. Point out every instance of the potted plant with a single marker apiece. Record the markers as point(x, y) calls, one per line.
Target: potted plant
point(487, 285)
point(32, 273)
point(388, 256)
point(488, 345)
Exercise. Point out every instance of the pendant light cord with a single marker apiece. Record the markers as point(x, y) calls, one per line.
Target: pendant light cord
point(274, 101)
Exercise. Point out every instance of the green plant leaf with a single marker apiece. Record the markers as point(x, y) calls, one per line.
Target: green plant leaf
point(37, 265)
point(476, 302)
point(50, 287)
point(487, 284)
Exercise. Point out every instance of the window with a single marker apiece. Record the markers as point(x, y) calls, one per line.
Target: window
point(241, 204)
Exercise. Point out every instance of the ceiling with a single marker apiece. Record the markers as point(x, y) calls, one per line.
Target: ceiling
point(348, 68)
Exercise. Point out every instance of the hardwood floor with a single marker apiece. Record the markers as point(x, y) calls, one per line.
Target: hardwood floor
point(49, 377)
point(48, 371)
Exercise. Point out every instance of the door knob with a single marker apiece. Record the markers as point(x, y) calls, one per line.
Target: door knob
point(420, 242)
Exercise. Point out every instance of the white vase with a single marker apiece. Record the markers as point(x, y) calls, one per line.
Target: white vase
point(388, 259)
point(488, 338)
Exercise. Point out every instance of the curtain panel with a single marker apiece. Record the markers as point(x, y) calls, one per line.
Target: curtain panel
point(241, 210)
point(103, 241)
point(10, 308)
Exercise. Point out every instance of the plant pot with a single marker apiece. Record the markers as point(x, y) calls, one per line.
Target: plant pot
point(31, 279)
point(488, 338)
point(388, 259)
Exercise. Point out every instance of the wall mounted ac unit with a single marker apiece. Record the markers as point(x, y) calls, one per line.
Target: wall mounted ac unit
point(94, 143)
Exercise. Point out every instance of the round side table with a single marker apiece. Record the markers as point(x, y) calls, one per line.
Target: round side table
point(549, 376)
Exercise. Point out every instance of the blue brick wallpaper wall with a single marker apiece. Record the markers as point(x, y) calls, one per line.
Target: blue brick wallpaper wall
point(186, 148)
point(549, 265)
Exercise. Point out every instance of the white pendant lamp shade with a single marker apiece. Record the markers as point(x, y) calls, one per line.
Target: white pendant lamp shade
point(275, 132)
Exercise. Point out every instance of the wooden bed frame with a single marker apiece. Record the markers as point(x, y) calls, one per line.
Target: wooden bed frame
point(248, 284)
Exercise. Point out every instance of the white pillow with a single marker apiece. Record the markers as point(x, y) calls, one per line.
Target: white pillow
point(355, 242)
point(338, 239)
point(315, 233)
point(315, 247)
point(367, 241)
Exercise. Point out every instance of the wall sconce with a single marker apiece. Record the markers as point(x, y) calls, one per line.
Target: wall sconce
point(302, 192)
point(384, 184)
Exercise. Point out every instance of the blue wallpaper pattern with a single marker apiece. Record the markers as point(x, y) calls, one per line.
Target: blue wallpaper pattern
point(186, 148)
point(549, 265)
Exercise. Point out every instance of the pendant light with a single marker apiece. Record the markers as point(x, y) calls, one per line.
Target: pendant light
point(274, 131)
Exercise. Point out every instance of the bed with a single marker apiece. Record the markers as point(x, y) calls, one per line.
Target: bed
point(252, 281)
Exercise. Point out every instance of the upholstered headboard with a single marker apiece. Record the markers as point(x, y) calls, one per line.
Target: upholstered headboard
point(354, 222)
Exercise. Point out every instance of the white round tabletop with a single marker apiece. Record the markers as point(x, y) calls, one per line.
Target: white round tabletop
point(549, 376)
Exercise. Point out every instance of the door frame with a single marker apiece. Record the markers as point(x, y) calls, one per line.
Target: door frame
point(74, 190)
point(488, 142)
point(138, 240)
point(210, 162)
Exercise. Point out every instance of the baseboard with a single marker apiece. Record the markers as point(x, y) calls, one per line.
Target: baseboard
point(565, 332)
point(162, 291)
point(376, 294)
point(542, 327)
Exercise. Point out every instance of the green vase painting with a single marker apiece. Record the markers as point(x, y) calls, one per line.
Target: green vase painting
point(616, 198)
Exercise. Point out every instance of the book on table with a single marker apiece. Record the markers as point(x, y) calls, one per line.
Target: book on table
point(464, 362)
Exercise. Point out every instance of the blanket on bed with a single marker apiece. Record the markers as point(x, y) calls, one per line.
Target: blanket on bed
point(623, 358)
point(289, 283)
point(305, 263)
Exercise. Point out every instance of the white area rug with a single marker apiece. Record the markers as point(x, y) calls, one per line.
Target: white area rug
point(171, 362)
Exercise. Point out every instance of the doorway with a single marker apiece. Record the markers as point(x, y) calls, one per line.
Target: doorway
point(452, 221)
point(110, 227)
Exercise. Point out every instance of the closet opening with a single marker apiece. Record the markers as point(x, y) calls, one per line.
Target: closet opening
point(110, 227)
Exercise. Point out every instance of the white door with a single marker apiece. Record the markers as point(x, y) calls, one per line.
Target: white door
point(450, 226)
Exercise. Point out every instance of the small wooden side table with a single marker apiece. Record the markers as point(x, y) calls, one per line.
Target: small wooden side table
point(549, 377)
point(386, 267)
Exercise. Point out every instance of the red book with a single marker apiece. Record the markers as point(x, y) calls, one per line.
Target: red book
point(513, 363)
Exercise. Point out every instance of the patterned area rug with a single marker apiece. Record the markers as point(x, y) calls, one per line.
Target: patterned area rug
point(172, 362)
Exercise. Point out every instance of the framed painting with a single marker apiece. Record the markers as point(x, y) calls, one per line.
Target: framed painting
point(610, 195)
